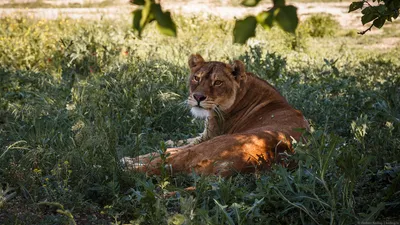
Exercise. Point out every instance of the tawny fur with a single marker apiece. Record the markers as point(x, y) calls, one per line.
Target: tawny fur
point(248, 128)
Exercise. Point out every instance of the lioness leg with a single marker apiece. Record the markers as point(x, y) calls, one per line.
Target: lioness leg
point(222, 155)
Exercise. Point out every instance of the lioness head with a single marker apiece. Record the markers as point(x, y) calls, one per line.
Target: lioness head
point(213, 85)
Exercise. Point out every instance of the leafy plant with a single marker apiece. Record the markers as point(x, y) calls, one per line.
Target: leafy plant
point(377, 14)
point(270, 66)
point(6, 194)
point(320, 25)
point(61, 211)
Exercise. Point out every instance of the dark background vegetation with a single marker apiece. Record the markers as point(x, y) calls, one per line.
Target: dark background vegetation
point(76, 96)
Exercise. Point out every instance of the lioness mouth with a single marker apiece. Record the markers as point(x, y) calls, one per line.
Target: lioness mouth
point(200, 112)
point(200, 107)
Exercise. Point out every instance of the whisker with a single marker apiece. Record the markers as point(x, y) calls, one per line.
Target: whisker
point(220, 117)
point(218, 113)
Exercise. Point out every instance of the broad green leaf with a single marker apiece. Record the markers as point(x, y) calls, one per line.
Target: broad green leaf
point(137, 16)
point(266, 19)
point(286, 17)
point(367, 10)
point(355, 6)
point(250, 3)
point(244, 29)
point(396, 14)
point(164, 21)
point(146, 13)
point(379, 22)
point(368, 17)
point(380, 8)
point(278, 3)
point(138, 2)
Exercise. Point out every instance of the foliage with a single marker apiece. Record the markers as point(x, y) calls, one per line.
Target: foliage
point(76, 96)
point(285, 16)
point(271, 66)
point(320, 25)
point(378, 14)
point(149, 12)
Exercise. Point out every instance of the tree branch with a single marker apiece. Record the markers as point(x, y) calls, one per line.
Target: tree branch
point(365, 31)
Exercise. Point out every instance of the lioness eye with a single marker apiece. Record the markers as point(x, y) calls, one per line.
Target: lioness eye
point(217, 83)
point(196, 78)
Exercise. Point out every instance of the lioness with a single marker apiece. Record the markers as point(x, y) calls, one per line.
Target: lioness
point(248, 124)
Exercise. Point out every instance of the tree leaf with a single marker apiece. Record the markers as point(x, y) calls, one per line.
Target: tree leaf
point(355, 5)
point(378, 23)
point(244, 29)
point(395, 14)
point(137, 16)
point(367, 10)
point(286, 17)
point(278, 3)
point(165, 24)
point(381, 9)
point(146, 11)
point(250, 3)
point(137, 2)
point(266, 19)
point(366, 18)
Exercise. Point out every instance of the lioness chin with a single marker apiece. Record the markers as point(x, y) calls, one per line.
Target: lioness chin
point(248, 124)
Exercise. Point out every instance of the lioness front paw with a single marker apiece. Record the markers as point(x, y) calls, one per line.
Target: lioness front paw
point(131, 163)
point(180, 143)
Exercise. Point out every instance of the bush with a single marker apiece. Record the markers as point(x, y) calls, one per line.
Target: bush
point(320, 25)
point(269, 66)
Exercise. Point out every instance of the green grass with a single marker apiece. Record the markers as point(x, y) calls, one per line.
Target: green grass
point(76, 96)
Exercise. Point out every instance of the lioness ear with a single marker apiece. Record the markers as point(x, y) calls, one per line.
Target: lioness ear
point(238, 70)
point(195, 60)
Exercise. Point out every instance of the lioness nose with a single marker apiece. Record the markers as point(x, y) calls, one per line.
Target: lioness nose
point(199, 97)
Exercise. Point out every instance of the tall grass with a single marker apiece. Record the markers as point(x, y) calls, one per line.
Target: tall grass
point(76, 96)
